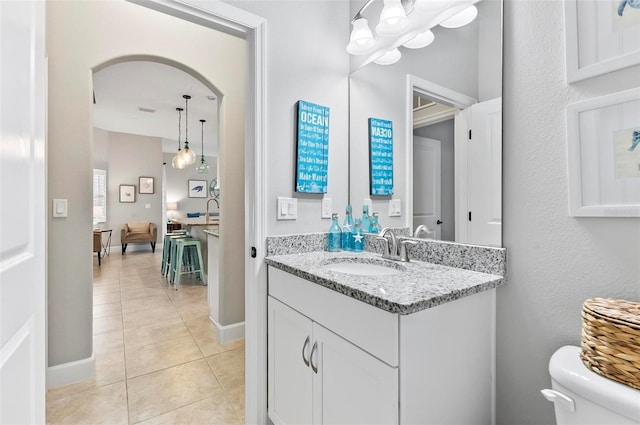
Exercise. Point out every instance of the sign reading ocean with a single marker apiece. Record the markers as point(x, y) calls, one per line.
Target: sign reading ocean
point(312, 147)
point(381, 156)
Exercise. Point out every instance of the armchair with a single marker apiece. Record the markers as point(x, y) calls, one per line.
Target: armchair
point(138, 232)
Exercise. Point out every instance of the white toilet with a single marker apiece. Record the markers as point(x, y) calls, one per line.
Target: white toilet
point(583, 397)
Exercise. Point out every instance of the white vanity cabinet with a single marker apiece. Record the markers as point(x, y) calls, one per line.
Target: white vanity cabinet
point(318, 377)
point(334, 359)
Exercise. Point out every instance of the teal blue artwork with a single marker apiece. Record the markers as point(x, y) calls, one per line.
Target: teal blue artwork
point(312, 158)
point(381, 156)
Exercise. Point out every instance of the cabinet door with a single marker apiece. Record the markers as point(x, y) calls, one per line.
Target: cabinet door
point(350, 385)
point(290, 380)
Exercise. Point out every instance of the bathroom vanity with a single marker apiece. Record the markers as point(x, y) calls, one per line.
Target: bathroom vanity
point(353, 338)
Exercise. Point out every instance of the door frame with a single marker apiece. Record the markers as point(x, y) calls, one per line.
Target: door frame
point(461, 124)
point(232, 20)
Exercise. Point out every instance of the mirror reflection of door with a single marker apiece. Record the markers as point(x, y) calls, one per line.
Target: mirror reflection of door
point(427, 200)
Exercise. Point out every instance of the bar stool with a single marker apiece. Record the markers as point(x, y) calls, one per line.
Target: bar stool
point(171, 252)
point(188, 255)
point(164, 266)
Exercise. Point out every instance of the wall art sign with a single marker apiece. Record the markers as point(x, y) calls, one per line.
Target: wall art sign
point(603, 137)
point(197, 188)
point(380, 156)
point(312, 147)
point(601, 36)
point(127, 193)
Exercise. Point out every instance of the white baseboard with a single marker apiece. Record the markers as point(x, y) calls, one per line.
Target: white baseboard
point(68, 373)
point(228, 333)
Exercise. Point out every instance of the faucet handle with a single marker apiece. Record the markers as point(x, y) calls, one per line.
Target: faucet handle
point(404, 254)
point(387, 248)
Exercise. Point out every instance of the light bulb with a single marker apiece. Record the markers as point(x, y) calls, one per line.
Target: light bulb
point(393, 19)
point(421, 40)
point(462, 18)
point(177, 161)
point(361, 40)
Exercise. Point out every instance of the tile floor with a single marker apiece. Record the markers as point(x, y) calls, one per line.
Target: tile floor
point(157, 357)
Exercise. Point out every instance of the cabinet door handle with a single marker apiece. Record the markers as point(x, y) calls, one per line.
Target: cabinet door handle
point(313, 350)
point(304, 348)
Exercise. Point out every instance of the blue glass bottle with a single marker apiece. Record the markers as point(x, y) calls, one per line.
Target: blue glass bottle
point(365, 225)
point(358, 237)
point(335, 235)
point(347, 230)
point(375, 223)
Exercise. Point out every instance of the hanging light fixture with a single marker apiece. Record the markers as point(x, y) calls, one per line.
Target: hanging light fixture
point(187, 156)
point(405, 23)
point(176, 162)
point(203, 167)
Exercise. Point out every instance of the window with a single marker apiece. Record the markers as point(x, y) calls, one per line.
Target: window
point(99, 196)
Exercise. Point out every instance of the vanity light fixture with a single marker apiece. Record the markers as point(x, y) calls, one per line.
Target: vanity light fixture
point(203, 167)
point(176, 162)
point(186, 156)
point(406, 23)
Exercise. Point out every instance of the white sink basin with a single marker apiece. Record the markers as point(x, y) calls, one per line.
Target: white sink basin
point(364, 269)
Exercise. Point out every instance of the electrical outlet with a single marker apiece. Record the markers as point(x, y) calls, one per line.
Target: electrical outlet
point(287, 208)
point(395, 208)
point(326, 208)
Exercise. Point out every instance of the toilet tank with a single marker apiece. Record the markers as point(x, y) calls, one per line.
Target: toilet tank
point(583, 397)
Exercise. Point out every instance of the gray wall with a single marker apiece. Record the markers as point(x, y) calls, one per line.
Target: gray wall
point(443, 131)
point(132, 156)
point(177, 184)
point(555, 262)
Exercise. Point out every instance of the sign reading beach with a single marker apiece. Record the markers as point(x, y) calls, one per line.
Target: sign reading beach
point(381, 156)
point(312, 147)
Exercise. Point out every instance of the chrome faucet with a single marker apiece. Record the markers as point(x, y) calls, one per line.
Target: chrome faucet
point(391, 245)
point(395, 248)
point(217, 203)
point(421, 229)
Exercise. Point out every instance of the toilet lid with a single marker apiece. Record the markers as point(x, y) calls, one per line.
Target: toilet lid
point(567, 369)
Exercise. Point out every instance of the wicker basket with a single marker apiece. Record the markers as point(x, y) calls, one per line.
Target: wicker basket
point(611, 339)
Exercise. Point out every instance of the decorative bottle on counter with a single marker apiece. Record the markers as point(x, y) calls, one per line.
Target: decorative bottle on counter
point(335, 235)
point(358, 237)
point(375, 223)
point(347, 230)
point(365, 225)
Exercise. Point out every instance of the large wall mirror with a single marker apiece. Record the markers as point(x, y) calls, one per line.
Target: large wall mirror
point(437, 97)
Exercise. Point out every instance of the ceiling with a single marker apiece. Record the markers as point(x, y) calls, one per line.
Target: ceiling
point(140, 97)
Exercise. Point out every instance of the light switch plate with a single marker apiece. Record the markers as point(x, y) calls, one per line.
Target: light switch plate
point(147, 205)
point(60, 207)
point(395, 208)
point(326, 208)
point(287, 208)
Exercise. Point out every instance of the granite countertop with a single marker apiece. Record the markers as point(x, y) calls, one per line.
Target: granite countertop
point(196, 221)
point(213, 231)
point(420, 286)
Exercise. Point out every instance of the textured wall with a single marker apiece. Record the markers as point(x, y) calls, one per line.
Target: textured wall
point(555, 262)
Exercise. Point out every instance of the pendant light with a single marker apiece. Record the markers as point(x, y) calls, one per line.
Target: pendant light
point(203, 167)
point(361, 40)
point(187, 156)
point(176, 162)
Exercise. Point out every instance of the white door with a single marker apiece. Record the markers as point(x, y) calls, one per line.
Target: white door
point(350, 386)
point(485, 174)
point(427, 204)
point(290, 381)
point(22, 212)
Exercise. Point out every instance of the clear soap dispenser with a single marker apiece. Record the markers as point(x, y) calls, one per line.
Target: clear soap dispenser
point(375, 224)
point(335, 235)
point(365, 223)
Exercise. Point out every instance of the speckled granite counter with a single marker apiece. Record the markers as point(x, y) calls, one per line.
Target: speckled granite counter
point(421, 285)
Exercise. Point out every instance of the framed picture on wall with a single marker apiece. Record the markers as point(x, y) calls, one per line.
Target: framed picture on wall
point(145, 185)
point(380, 157)
point(127, 193)
point(601, 36)
point(603, 137)
point(312, 147)
point(197, 188)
